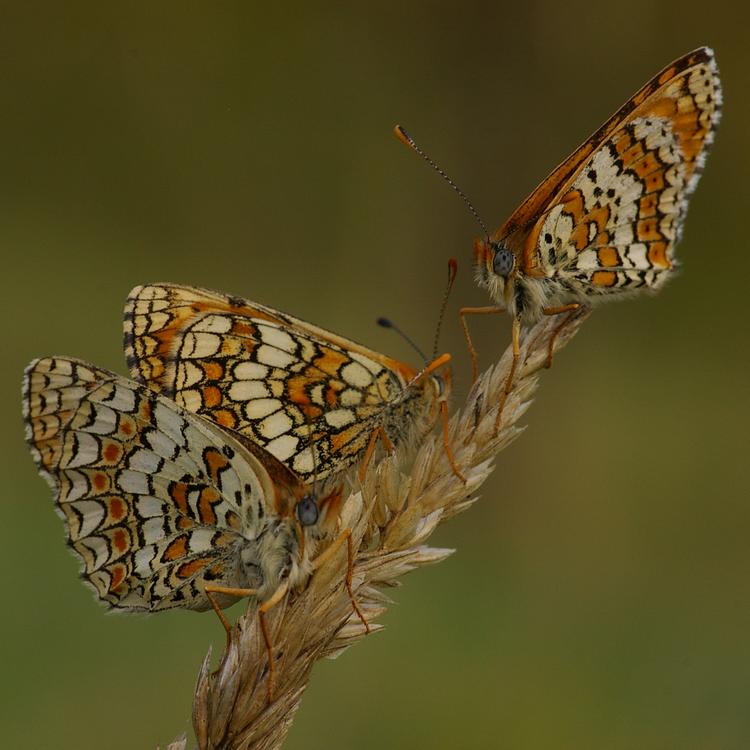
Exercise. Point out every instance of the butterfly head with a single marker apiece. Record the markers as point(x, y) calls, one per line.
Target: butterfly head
point(433, 380)
point(287, 546)
point(316, 517)
point(495, 268)
point(441, 381)
point(316, 513)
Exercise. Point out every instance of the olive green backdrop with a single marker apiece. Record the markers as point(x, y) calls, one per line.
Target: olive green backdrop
point(599, 596)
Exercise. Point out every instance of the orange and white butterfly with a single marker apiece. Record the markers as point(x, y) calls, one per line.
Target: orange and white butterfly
point(313, 399)
point(163, 508)
point(605, 223)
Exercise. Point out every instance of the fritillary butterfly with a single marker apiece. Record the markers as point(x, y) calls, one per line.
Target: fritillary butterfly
point(313, 399)
point(163, 508)
point(605, 223)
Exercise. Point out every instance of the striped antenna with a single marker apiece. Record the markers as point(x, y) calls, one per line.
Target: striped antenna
point(407, 140)
point(452, 273)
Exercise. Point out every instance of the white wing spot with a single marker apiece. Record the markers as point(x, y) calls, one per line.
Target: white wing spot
point(153, 530)
point(371, 365)
point(133, 482)
point(123, 399)
point(624, 235)
point(276, 337)
point(304, 463)
point(283, 447)
point(104, 420)
point(200, 345)
point(161, 444)
point(92, 514)
point(86, 451)
point(214, 324)
point(149, 506)
point(357, 375)
point(269, 355)
point(188, 374)
point(200, 539)
point(76, 488)
point(262, 407)
point(350, 397)
point(275, 425)
point(339, 417)
point(170, 422)
point(250, 371)
point(316, 394)
point(145, 461)
point(244, 390)
point(143, 558)
point(99, 551)
point(156, 320)
point(587, 260)
point(190, 400)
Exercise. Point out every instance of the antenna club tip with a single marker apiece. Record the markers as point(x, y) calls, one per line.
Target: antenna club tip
point(384, 322)
point(403, 136)
point(452, 270)
point(443, 359)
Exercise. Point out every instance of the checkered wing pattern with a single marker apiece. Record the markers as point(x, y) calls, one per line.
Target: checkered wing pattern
point(606, 221)
point(309, 397)
point(155, 502)
point(614, 224)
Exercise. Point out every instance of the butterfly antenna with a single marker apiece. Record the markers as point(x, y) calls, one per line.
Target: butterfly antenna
point(407, 140)
point(452, 272)
point(386, 323)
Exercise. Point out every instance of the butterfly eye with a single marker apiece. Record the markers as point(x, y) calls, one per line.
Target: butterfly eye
point(439, 385)
point(307, 511)
point(504, 260)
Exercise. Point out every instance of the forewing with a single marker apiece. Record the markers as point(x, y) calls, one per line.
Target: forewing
point(610, 216)
point(155, 503)
point(272, 378)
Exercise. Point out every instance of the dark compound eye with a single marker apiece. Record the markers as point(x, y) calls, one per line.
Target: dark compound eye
point(503, 262)
point(307, 511)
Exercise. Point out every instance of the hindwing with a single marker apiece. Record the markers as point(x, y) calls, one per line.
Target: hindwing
point(608, 218)
point(308, 396)
point(156, 501)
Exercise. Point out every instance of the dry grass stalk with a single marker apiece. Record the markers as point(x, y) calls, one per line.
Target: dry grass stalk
point(401, 502)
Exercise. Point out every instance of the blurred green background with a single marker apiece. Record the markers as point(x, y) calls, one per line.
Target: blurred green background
point(599, 597)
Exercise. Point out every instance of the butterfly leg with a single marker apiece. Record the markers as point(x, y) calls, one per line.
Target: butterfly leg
point(275, 599)
point(462, 313)
point(378, 432)
point(516, 340)
point(446, 443)
point(571, 309)
point(239, 593)
point(324, 557)
point(270, 603)
point(436, 364)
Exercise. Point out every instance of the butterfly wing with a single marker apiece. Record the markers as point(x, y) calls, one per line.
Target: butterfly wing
point(608, 218)
point(155, 502)
point(278, 381)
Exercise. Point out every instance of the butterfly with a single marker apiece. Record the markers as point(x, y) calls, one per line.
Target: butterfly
point(163, 508)
point(603, 224)
point(314, 400)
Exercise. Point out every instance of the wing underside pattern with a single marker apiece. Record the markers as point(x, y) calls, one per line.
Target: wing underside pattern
point(609, 218)
point(155, 505)
point(309, 397)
